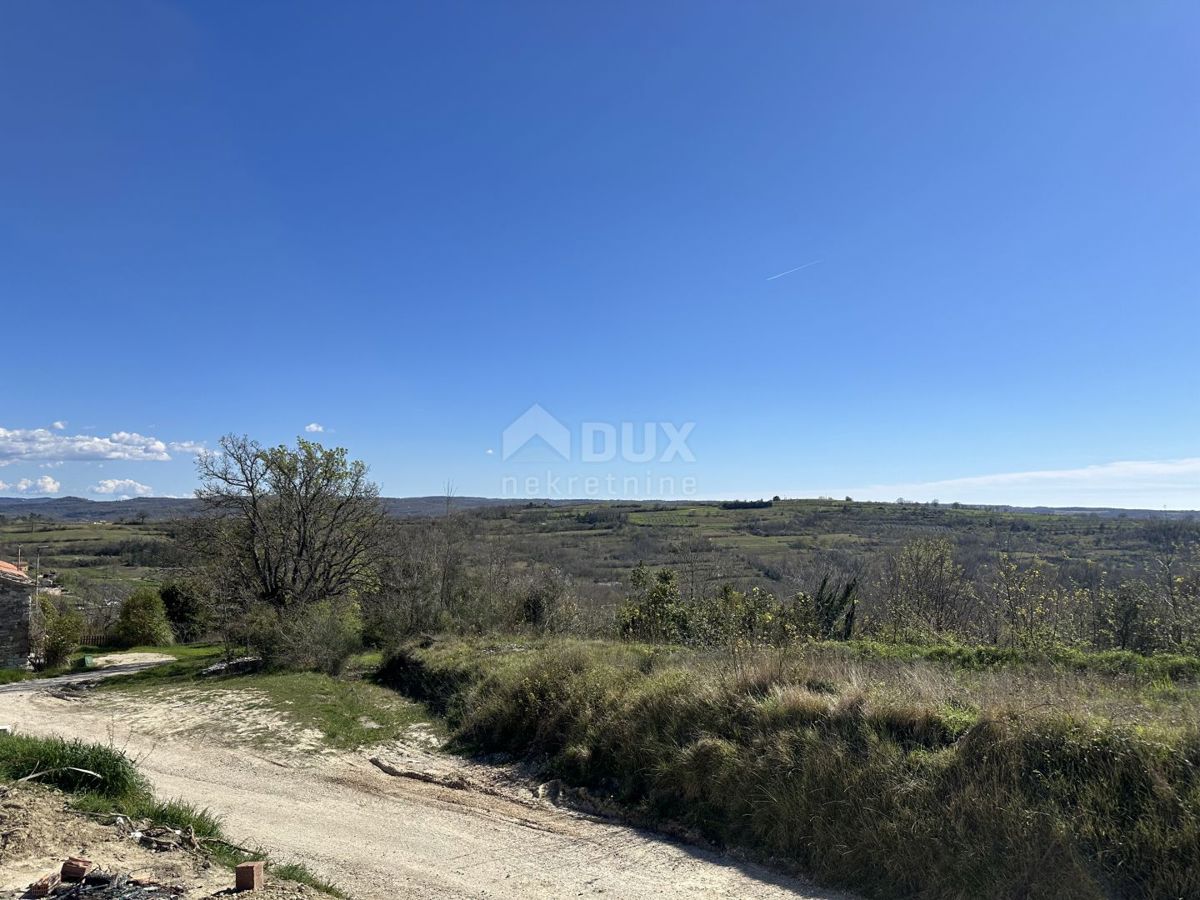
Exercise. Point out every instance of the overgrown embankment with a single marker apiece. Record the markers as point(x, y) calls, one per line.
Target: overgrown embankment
point(893, 798)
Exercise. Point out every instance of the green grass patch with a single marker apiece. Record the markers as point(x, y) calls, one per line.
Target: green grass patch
point(230, 856)
point(103, 779)
point(301, 874)
point(189, 660)
point(72, 766)
point(349, 712)
point(12, 676)
point(1176, 667)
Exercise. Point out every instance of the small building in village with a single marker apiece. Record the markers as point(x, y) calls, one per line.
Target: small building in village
point(16, 616)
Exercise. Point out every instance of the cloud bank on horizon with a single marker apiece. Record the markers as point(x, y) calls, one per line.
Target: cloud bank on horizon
point(122, 488)
point(1144, 484)
point(53, 448)
point(42, 485)
point(1132, 484)
point(45, 445)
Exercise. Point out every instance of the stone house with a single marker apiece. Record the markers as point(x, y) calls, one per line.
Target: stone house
point(16, 614)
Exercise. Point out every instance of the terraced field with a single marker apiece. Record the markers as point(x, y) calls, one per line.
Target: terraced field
point(93, 556)
point(779, 546)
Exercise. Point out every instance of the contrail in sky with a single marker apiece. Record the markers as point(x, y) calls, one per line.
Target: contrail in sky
point(790, 271)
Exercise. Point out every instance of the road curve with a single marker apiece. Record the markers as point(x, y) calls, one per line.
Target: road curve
point(378, 837)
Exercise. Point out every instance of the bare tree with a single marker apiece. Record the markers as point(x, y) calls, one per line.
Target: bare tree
point(290, 526)
point(923, 586)
point(1173, 546)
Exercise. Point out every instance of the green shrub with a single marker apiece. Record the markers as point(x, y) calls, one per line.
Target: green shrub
point(62, 630)
point(320, 637)
point(187, 610)
point(142, 620)
point(654, 610)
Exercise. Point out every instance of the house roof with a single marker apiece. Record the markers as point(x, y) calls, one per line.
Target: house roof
point(7, 568)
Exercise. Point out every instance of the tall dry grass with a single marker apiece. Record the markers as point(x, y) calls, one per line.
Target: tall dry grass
point(898, 779)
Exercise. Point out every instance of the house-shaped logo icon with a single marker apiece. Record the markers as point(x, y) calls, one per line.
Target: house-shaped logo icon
point(535, 424)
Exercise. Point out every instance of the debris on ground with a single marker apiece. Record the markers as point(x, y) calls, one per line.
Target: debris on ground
point(159, 838)
point(453, 780)
point(75, 691)
point(243, 665)
point(44, 845)
point(44, 885)
point(102, 886)
point(77, 868)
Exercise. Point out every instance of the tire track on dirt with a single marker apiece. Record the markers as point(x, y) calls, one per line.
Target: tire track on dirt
point(381, 837)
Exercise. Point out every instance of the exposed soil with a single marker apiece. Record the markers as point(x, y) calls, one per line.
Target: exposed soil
point(38, 832)
point(436, 827)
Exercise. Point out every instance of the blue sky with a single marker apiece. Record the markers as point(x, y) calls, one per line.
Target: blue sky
point(407, 223)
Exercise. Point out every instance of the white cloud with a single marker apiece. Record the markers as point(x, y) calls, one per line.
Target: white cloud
point(489, 451)
point(37, 444)
point(43, 485)
point(193, 447)
point(59, 425)
point(1147, 484)
point(124, 486)
point(313, 427)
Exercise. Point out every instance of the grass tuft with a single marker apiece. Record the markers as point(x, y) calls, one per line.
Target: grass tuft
point(66, 765)
point(301, 874)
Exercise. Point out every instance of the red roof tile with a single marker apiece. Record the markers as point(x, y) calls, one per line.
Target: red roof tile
point(7, 568)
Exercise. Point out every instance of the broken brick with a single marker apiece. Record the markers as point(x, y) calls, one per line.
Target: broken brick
point(248, 876)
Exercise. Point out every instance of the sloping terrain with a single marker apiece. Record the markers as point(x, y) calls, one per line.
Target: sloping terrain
point(445, 828)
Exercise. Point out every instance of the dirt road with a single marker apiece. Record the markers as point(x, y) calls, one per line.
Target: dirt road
point(453, 831)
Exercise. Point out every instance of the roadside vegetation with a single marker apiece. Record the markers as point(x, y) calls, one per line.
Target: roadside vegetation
point(102, 780)
point(895, 782)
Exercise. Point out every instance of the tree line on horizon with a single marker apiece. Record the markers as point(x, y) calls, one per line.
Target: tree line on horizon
point(296, 559)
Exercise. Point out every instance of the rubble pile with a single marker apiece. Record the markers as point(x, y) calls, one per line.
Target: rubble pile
point(79, 877)
point(48, 850)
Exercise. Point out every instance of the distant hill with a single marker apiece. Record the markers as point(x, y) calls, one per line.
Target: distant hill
point(415, 507)
point(80, 509)
point(157, 509)
point(1103, 512)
